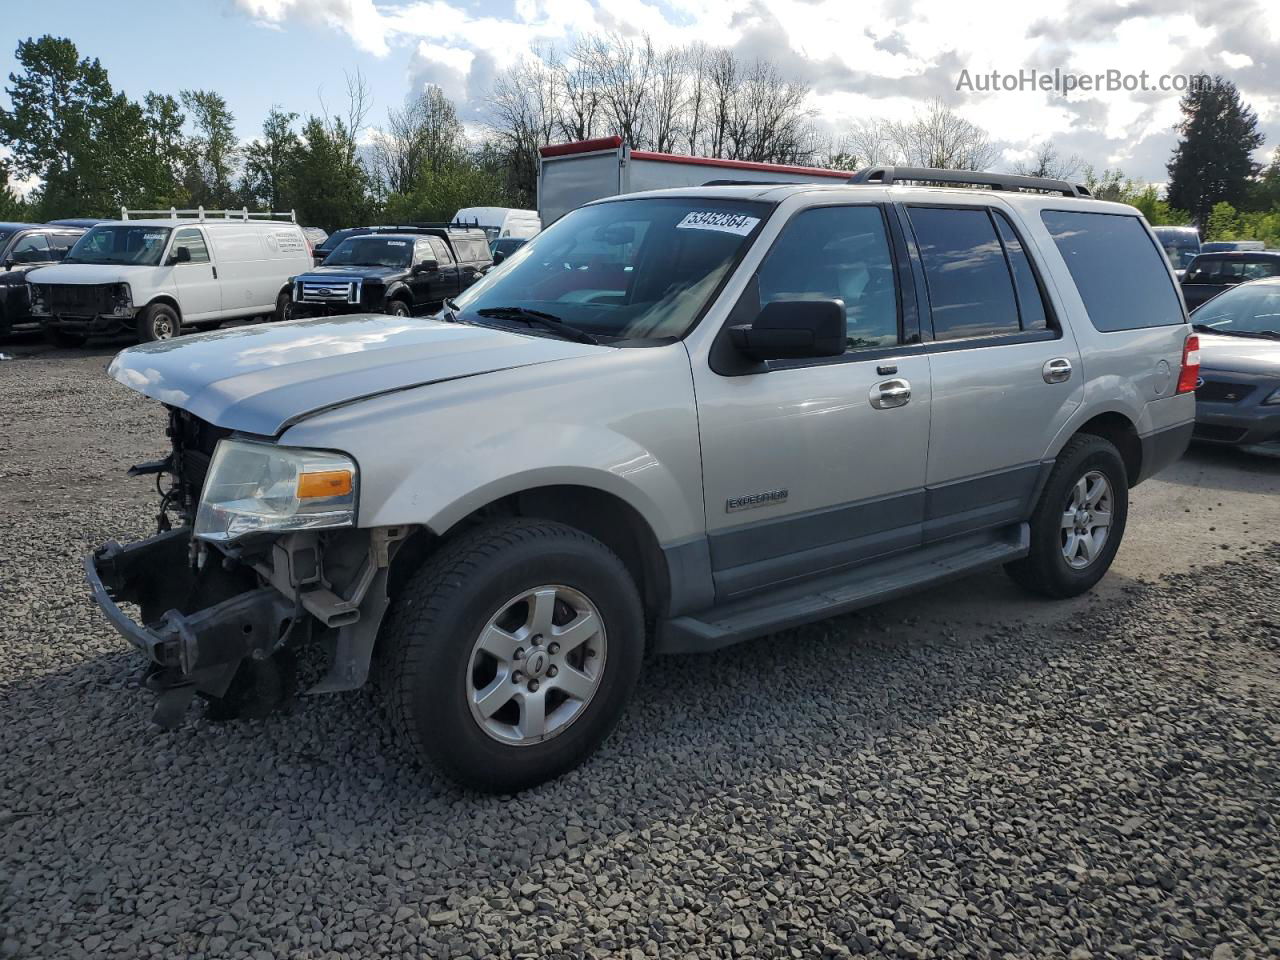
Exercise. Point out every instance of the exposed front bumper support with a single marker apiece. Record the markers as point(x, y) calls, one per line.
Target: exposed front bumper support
point(198, 648)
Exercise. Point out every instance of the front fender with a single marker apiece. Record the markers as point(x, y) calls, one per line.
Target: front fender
point(618, 420)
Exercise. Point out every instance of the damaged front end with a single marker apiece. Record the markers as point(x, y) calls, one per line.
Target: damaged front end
point(222, 619)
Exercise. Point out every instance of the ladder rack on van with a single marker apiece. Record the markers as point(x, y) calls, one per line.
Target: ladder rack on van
point(200, 213)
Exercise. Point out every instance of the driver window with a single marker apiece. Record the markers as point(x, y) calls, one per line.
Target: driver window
point(193, 240)
point(422, 251)
point(33, 248)
point(838, 253)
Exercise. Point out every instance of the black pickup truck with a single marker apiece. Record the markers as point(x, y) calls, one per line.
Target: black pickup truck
point(23, 248)
point(398, 273)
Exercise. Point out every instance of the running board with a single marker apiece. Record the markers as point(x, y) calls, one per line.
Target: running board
point(876, 582)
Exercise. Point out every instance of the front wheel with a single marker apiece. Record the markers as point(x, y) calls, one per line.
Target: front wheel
point(1078, 524)
point(158, 322)
point(398, 308)
point(511, 654)
point(284, 307)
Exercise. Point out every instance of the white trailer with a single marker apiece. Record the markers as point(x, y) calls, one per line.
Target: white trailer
point(571, 174)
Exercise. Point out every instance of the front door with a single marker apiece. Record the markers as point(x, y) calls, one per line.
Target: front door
point(444, 279)
point(813, 467)
point(1006, 374)
point(199, 292)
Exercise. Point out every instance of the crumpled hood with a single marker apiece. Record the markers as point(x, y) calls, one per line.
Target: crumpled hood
point(91, 273)
point(1257, 356)
point(260, 379)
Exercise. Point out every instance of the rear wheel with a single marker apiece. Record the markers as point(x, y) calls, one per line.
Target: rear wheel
point(60, 338)
point(159, 322)
point(1078, 524)
point(510, 655)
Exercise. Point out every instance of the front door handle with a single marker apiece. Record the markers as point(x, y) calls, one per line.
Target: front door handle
point(1057, 370)
point(890, 393)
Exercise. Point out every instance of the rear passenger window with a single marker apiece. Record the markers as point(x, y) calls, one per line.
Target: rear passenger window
point(970, 290)
point(1031, 309)
point(838, 253)
point(1122, 276)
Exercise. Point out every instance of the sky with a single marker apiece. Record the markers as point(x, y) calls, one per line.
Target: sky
point(872, 58)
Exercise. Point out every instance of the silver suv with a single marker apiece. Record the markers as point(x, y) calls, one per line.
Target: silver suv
point(670, 422)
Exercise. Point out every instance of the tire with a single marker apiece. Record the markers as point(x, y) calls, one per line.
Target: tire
point(398, 308)
point(68, 341)
point(284, 307)
point(1070, 491)
point(159, 322)
point(433, 665)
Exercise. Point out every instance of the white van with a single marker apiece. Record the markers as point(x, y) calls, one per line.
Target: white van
point(193, 268)
point(498, 222)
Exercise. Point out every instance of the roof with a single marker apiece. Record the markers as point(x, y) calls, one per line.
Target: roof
point(10, 227)
point(777, 192)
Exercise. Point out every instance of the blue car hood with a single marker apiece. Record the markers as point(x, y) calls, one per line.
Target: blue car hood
point(260, 379)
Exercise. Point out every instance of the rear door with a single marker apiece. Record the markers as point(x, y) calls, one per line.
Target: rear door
point(813, 467)
point(1005, 372)
point(199, 289)
point(443, 281)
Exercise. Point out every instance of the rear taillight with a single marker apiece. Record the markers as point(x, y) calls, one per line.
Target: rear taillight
point(1190, 364)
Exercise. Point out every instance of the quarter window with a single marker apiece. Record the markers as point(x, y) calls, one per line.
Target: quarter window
point(971, 291)
point(1120, 272)
point(193, 240)
point(838, 253)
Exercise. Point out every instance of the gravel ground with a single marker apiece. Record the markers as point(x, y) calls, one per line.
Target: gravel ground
point(940, 777)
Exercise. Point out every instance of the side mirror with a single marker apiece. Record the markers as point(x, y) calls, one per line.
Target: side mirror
point(794, 330)
point(8, 264)
point(423, 266)
point(180, 255)
point(498, 257)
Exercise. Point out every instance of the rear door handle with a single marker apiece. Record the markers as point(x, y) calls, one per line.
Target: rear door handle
point(890, 393)
point(1057, 370)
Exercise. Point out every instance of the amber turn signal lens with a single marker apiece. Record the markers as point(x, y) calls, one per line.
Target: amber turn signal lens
point(324, 483)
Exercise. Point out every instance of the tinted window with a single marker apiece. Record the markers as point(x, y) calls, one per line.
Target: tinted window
point(1031, 308)
point(1255, 271)
point(193, 240)
point(837, 253)
point(970, 291)
point(1203, 270)
point(443, 256)
point(371, 250)
point(60, 243)
point(1122, 276)
point(33, 248)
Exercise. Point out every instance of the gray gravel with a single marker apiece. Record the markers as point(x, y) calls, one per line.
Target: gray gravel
point(1099, 781)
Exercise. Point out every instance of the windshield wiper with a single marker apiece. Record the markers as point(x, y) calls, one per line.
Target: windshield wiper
point(536, 318)
point(1265, 334)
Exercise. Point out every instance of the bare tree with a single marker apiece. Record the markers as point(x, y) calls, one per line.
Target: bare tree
point(1048, 162)
point(424, 136)
point(670, 73)
point(623, 72)
point(524, 115)
point(579, 93)
point(870, 143)
point(940, 137)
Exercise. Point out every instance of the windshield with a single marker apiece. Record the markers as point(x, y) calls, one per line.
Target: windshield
point(626, 269)
point(1253, 308)
point(141, 245)
point(370, 251)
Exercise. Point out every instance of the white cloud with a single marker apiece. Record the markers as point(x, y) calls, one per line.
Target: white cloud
point(875, 58)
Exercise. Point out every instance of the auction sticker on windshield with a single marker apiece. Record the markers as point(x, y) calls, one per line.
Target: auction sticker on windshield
point(717, 220)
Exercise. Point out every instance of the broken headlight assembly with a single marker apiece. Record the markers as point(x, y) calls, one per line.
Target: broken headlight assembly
point(263, 488)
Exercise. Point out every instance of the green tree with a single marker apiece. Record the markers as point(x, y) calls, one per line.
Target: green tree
point(12, 207)
point(1223, 223)
point(213, 149)
point(168, 151)
point(54, 126)
point(1213, 160)
point(270, 162)
point(331, 186)
point(439, 194)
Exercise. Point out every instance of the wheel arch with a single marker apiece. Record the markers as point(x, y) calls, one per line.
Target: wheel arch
point(168, 300)
point(1121, 433)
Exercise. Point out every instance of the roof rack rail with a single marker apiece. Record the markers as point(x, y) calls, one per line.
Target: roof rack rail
point(751, 183)
point(200, 213)
point(888, 175)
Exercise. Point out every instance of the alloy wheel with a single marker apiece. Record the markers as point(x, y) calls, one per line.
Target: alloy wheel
point(1086, 520)
point(536, 665)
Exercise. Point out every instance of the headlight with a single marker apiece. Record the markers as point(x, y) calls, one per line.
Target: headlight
point(1272, 398)
point(121, 299)
point(260, 487)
